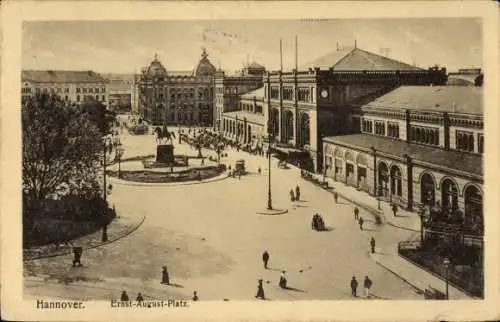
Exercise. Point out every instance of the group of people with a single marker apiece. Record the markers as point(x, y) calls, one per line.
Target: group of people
point(367, 284)
point(282, 283)
point(295, 196)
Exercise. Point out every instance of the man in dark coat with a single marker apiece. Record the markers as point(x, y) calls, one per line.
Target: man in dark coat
point(297, 193)
point(265, 258)
point(356, 213)
point(195, 296)
point(372, 244)
point(354, 286)
point(139, 298)
point(336, 196)
point(124, 296)
point(77, 255)
point(361, 223)
point(394, 209)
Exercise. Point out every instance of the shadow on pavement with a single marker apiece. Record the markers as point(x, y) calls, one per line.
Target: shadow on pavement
point(288, 288)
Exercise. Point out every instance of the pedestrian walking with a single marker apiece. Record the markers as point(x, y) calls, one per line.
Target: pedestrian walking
point(77, 256)
point(372, 244)
point(104, 233)
point(367, 284)
point(356, 213)
point(195, 296)
point(265, 258)
point(354, 286)
point(336, 196)
point(292, 195)
point(259, 170)
point(394, 209)
point(283, 280)
point(297, 193)
point(260, 291)
point(164, 276)
point(124, 296)
point(139, 298)
point(361, 223)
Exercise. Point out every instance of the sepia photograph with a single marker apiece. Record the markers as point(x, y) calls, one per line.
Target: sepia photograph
point(170, 162)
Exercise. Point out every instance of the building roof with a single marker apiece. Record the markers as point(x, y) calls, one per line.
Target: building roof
point(463, 79)
point(205, 67)
point(355, 59)
point(257, 93)
point(255, 65)
point(61, 76)
point(156, 69)
point(466, 162)
point(251, 117)
point(459, 99)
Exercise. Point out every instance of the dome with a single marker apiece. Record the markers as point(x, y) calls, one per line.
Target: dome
point(156, 69)
point(205, 67)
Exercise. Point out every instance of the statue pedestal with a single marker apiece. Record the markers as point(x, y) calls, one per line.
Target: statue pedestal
point(165, 153)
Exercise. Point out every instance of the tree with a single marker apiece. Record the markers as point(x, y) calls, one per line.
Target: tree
point(99, 115)
point(62, 149)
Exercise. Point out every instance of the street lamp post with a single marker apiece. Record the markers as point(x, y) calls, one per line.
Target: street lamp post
point(104, 171)
point(446, 264)
point(269, 196)
point(119, 154)
point(421, 213)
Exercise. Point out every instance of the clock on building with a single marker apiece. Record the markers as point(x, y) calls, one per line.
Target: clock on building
point(324, 93)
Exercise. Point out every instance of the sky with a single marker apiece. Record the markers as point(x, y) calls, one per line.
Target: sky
point(127, 46)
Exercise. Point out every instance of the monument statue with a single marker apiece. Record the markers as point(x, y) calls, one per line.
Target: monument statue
point(165, 148)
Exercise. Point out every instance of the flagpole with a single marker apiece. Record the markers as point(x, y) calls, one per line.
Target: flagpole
point(281, 55)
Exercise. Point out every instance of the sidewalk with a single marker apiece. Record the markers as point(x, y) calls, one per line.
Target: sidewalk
point(117, 229)
point(404, 220)
point(389, 258)
point(413, 275)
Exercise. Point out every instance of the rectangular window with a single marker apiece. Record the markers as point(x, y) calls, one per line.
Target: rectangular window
point(288, 93)
point(78, 90)
point(465, 141)
point(103, 90)
point(393, 129)
point(66, 90)
point(304, 94)
point(480, 143)
point(379, 128)
point(275, 93)
point(96, 90)
point(91, 90)
point(424, 135)
point(367, 126)
point(84, 90)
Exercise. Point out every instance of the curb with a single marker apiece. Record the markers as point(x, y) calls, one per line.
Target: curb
point(273, 212)
point(399, 276)
point(402, 227)
point(221, 177)
point(91, 247)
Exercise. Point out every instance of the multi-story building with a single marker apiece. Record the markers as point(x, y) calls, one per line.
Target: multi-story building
point(466, 77)
point(71, 86)
point(177, 97)
point(415, 144)
point(121, 91)
point(246, 125)
point(309, 104)
point(229, 88)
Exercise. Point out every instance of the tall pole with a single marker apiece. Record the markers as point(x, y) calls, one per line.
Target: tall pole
point(281, 55)
point(296, 53)
point(104, 172)
point(269, 197)
point(447, 295)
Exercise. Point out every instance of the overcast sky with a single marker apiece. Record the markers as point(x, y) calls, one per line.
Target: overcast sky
point(126, 46)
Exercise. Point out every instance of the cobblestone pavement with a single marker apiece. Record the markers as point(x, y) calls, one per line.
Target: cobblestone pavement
point(211, 239)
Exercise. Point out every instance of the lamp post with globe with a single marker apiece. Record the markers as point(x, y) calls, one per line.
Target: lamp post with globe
point(446, 266)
